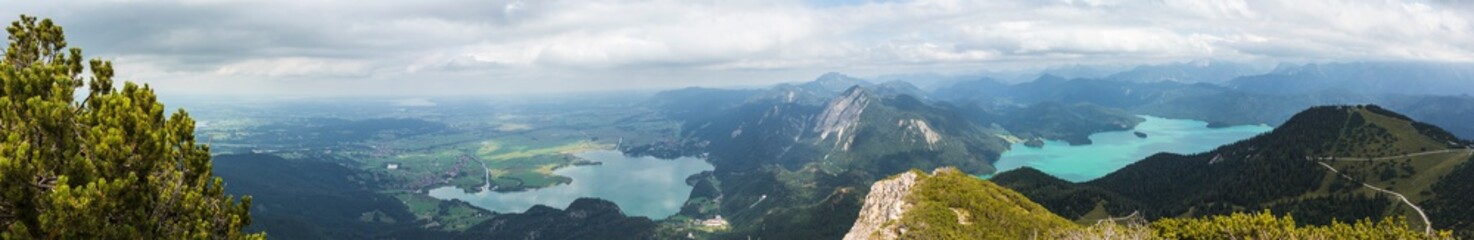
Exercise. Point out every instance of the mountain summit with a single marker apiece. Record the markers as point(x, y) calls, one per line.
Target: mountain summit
point(834, 82)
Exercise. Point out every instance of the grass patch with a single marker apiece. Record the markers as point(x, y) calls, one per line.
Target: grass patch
point(994, 212)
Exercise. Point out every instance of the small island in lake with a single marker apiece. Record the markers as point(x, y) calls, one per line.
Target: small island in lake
point(1034, 143)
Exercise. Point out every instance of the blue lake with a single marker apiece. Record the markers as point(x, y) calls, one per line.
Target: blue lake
point(1114, 150)
point(642, 186)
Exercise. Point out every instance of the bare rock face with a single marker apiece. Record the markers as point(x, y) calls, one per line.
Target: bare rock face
point(885, 203)
point(841, 116)
point(918, 129)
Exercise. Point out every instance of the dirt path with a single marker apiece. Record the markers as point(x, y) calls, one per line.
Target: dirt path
point(1427, 225)
point(1464, 150)
point(1114, 219)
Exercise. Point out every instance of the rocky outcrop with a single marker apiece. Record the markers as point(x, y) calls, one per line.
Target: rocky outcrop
point(885, 204)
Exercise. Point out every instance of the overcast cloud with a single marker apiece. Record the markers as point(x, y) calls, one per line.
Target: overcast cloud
point(431, 47)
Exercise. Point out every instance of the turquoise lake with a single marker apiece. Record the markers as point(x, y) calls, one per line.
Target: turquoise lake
point(1113, 150)
point(642, 186)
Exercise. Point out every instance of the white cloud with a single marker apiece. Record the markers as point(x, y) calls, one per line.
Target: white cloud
point(472, 46)
point(295, 67)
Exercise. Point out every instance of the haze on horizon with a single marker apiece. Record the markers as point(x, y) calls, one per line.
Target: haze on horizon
point(461, 47)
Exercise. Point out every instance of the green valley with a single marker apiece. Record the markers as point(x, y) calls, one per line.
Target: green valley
point(395, 155)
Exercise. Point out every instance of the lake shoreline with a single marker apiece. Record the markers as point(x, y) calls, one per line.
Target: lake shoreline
point(1113, 150)
point(641, 186)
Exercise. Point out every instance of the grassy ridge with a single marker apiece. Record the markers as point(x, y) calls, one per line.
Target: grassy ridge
point(954, 205)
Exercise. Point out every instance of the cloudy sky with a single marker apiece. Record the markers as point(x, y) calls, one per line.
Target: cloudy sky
point(433, 47)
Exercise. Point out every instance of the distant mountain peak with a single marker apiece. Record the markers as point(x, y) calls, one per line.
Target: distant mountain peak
point(834, 82)
point(836, 79)
point(832, 76)
point(1050, 78)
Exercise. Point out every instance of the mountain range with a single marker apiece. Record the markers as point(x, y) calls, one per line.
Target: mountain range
point(1229, 103)
point(804, 160)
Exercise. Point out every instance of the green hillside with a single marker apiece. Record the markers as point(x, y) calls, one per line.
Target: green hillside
point(951, 204)
point(1326, 164)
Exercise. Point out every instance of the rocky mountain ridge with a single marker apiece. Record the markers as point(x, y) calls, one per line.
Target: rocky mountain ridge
point(885, 204)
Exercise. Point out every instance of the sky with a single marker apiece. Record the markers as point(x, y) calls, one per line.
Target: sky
point(476, 47)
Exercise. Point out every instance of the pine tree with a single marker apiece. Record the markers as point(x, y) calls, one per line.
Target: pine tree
point(111, 165)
